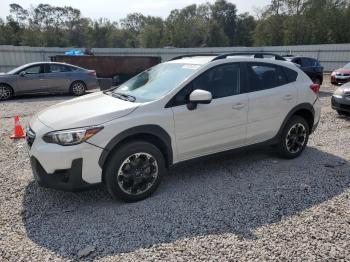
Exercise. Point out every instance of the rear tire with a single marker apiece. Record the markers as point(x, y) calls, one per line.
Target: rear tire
point(134, 171)
point(6, 92)
point(294, 138)
point(78, 88)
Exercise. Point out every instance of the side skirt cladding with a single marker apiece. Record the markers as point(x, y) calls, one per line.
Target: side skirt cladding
point(140, 132)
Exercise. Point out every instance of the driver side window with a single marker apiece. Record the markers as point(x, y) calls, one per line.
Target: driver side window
point(221, 81)
point(33, 70)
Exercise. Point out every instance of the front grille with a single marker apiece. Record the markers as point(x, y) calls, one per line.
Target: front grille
point(344, 106)
point(342, 74)
point(342, 80)
point(30, 136)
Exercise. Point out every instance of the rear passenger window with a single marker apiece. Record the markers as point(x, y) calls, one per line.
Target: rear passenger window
point(221, 81)
point(290, 74)
point(59, 68)
point(265, 76)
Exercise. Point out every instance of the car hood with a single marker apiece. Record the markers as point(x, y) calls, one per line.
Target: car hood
point(88, 110)
point(342, 71)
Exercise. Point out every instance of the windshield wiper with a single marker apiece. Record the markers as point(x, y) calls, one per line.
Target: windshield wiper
point(124, 97)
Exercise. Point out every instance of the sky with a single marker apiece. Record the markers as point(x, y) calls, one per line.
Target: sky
point(117, 9)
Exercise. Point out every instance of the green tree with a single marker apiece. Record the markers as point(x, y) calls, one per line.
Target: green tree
point(152, 32)
point(225, 14)
point(187, 27)
point(245, 30)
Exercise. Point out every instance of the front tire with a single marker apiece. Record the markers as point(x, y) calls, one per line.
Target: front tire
point(6, 92)
point(78, 88)
point(294, 138)
point(134, 171)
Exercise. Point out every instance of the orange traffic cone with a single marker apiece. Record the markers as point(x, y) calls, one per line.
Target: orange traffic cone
point(18, 132)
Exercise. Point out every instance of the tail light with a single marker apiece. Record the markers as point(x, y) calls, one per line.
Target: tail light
point(92, 73)
point(315, 88)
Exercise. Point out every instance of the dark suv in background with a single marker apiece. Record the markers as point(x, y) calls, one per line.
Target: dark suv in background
point(310, 66)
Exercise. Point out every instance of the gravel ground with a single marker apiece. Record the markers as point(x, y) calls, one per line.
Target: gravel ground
point(242, 206)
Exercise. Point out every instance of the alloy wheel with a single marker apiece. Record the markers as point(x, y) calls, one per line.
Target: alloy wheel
point(78, 88)
point(5, 93)
point(296, 138)
point(137, 173)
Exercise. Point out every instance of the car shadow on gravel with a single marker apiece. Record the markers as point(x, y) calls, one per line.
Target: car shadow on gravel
point(231, 193)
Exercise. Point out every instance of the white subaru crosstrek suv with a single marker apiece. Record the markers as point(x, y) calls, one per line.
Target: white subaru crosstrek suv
point(127, 137)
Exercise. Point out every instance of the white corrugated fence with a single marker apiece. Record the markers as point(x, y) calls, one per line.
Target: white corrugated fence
point(331, 56)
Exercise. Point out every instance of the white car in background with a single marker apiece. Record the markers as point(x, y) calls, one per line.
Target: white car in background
point(189, 107)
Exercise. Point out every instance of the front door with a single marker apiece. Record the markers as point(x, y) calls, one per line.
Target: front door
point(31, 80)
point(214, 127)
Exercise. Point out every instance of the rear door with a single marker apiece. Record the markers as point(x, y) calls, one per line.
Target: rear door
point(58, 77)
point(271, 97)
point(213, 127)
point(31, 80)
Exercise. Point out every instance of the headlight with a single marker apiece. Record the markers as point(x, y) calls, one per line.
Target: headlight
point(334, 73)
point(72, 136)
point(339, 92)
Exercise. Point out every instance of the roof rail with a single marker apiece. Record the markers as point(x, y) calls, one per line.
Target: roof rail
point(191, 55)
point(254, 54)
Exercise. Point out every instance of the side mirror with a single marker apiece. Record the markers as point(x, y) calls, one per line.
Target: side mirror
point(199, 96)
point(23, 73)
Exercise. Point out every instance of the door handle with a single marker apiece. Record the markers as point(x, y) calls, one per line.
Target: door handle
point(288, 97)
point(238, 106)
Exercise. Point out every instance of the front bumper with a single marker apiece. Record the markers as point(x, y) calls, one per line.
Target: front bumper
point(341, 104)
point(66, 180)
point(67, 168)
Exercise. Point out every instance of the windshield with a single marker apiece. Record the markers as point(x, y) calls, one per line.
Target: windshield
point(156, 82)
point(347, 66)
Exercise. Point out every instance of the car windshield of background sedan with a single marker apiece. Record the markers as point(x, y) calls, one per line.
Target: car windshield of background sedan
point(156, 82)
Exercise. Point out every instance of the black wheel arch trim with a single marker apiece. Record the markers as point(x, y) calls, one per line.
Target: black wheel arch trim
point(77, 81)
point(153, 130)
point(303, 106)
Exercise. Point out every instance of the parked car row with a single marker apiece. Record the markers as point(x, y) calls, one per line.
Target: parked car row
point(57, 77)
